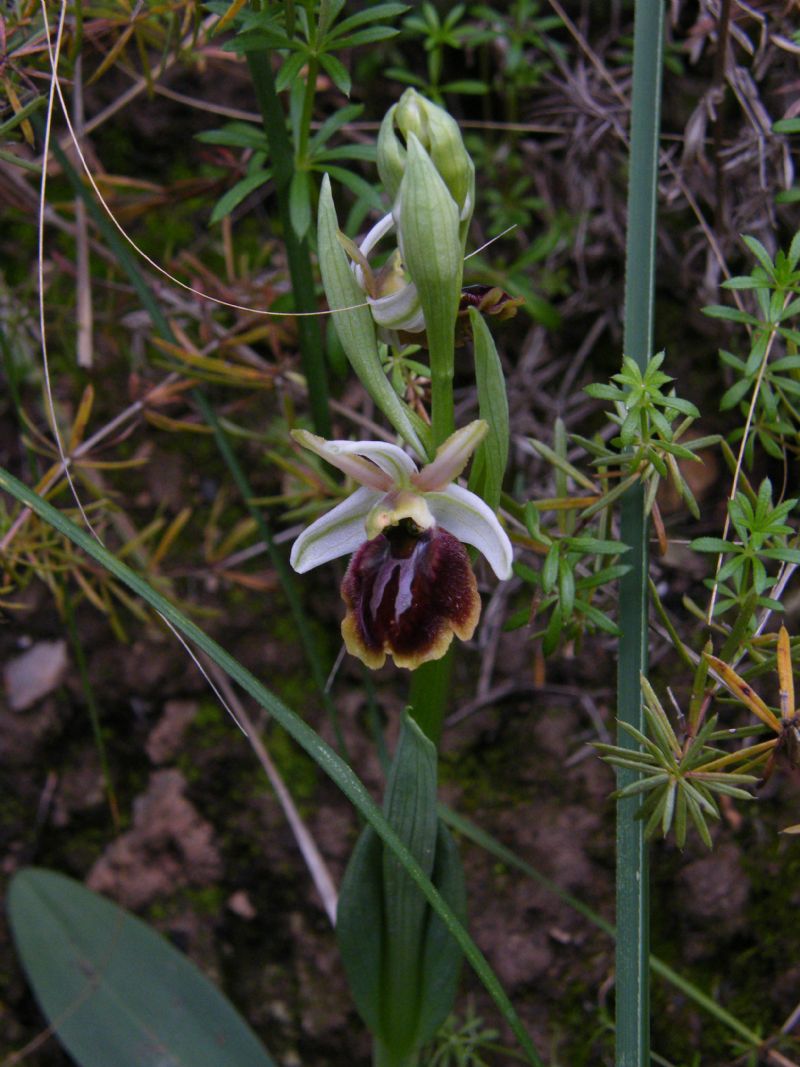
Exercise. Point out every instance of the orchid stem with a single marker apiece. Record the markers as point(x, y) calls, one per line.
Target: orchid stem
point(430, 685)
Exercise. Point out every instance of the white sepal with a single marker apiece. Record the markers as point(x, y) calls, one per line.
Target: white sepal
point(391, 459)
point(338, 533)
point(467, 517)
point(346, 459)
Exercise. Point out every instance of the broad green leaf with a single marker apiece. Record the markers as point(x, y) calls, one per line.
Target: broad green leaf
point(596, 546)
point(604, 392)
point(359, 926)
point(603, 576)
point(737, 392)
point(257, 40)
point(442, 956)
point(401, 961)
point(489, 465)
point(114, 990)
point(410, 808)
point(553, 631)
point(596, 617)
point(710, 544)
point(566, 587)
point(745, 281)
point(466, 85)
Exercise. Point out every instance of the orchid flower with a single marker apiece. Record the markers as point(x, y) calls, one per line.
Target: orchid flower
point(392, 297)
point(409, 585)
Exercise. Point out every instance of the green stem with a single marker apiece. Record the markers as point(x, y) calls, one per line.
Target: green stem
point(442, 416)
point(297, 251)
point(430, 685)
point(632, 950)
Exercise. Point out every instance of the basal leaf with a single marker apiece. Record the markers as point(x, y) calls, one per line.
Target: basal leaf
point(115, 991)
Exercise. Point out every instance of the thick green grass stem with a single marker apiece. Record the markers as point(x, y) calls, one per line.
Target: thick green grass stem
point(297, 251)
point(632, 895)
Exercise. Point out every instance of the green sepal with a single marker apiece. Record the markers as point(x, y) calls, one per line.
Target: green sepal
point(489, 464)
point(355, 326)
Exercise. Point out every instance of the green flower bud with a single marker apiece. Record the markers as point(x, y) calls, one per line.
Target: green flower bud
point(428, 231)
point(438, 133)
point(391, 154)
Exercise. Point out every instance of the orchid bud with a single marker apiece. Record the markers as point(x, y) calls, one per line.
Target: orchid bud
point(438, 133)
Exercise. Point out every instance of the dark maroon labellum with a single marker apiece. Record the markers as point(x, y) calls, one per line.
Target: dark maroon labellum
point(407, 592)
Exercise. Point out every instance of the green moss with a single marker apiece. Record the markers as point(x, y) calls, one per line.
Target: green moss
point(298, 770)
point(208, 900)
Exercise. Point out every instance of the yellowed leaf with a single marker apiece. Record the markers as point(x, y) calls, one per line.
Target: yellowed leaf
point(163, 422)
point(231, 13)
point(118, 46)
point(13, 99)
point(785, 677)
point(169, 536)
point(739, 688)
point(81, 418)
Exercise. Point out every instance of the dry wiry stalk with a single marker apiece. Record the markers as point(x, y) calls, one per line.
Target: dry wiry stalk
point(82, 267)
point(314, 860)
